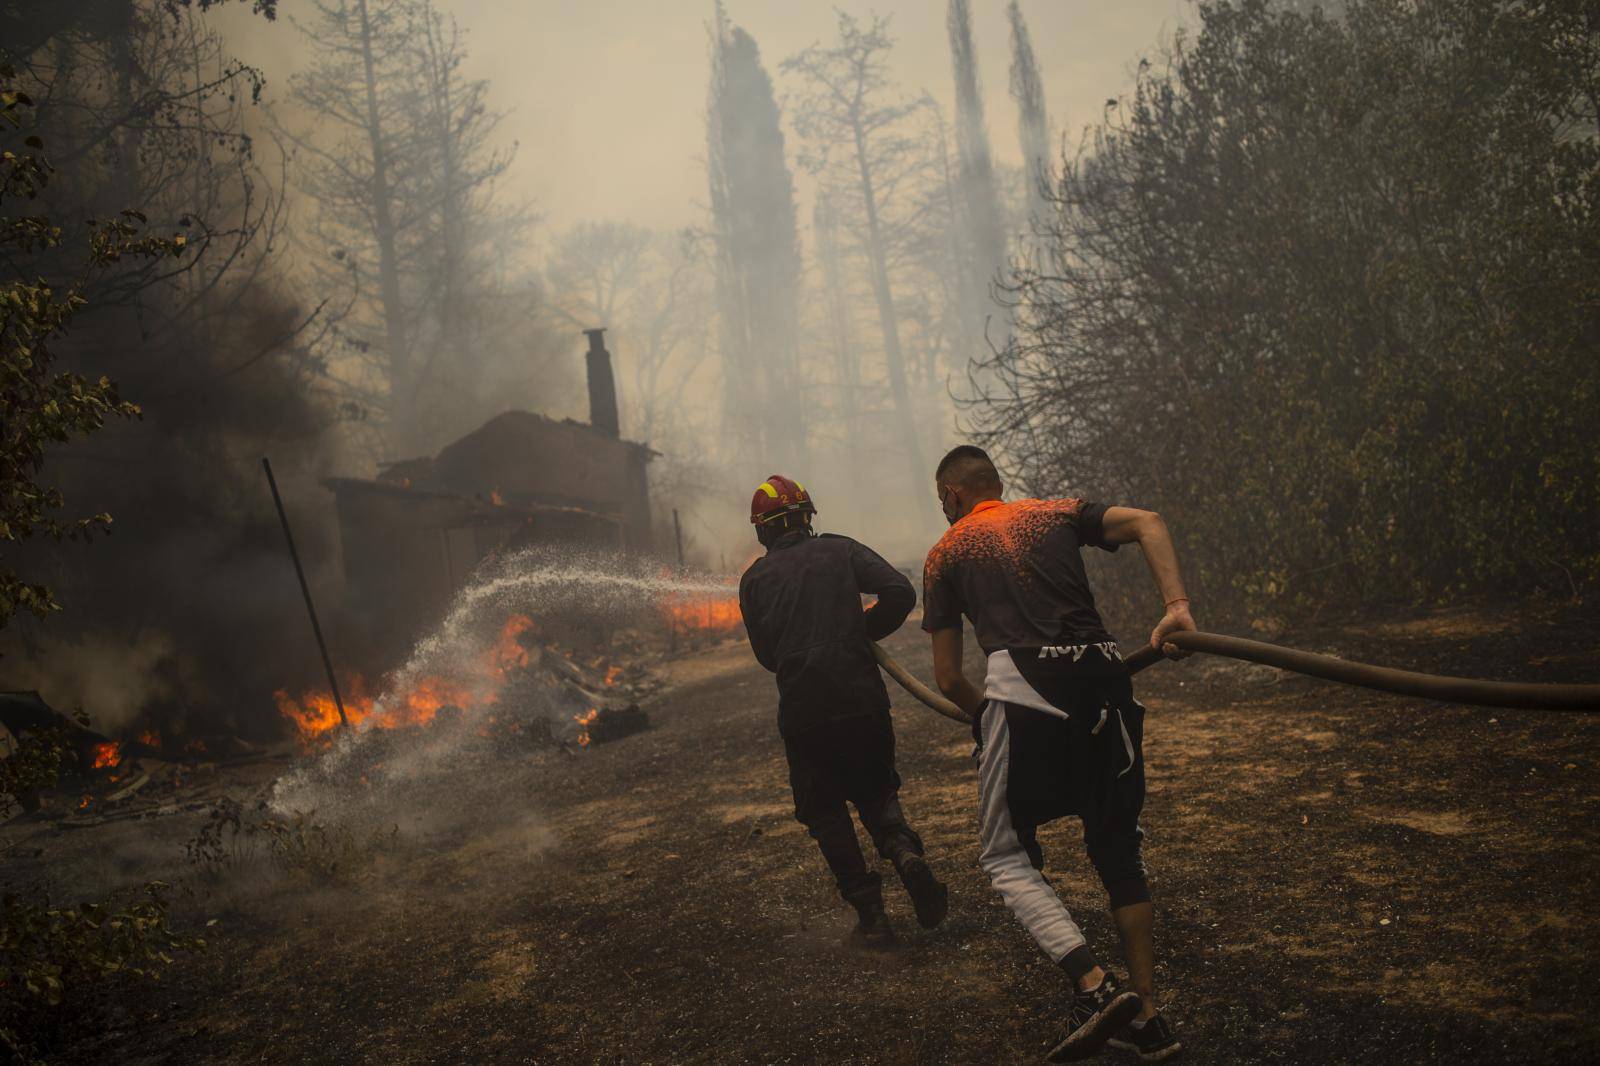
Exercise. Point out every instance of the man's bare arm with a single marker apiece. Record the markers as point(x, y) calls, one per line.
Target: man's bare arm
point(1123, 525)
point(947, 672)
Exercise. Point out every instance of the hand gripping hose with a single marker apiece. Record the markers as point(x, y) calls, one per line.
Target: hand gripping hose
point(1582, 698)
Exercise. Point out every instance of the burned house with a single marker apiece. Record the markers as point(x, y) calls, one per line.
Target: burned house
point(413, 535)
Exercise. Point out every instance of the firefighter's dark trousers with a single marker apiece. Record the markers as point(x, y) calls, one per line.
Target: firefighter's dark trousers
point(851, 760)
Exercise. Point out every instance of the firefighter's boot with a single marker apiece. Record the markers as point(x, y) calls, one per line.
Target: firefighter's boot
point(872, 927)
point(928, 894)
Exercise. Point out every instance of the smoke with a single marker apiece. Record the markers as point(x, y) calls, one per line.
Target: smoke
point(117, 677)
point(187, 615)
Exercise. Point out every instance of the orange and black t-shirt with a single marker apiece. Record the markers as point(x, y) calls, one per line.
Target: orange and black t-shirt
point(1015, 571)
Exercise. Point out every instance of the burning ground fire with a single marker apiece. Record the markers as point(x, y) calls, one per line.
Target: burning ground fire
point(316, 714)
point(705, 614)
point(488, 671)
point(585, 720)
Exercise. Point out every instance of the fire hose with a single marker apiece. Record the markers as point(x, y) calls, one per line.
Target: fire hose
point(1514, 694)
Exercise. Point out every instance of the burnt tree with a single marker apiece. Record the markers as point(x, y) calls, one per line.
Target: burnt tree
point(863, 145)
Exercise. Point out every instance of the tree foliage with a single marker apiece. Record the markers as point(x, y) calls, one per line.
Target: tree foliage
point(983, 247)
point(756, 250)
point(49, 951)
point(41, 406)
point(34, 764)
point(1327, 293)
point(1033, 124)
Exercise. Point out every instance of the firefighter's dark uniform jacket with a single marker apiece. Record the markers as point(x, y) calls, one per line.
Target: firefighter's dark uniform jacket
point(802, 610)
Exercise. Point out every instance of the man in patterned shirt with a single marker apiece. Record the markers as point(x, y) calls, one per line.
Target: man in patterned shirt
point(1058, 729)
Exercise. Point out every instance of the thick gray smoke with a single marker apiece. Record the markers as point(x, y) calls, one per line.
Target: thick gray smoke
point(187, 615)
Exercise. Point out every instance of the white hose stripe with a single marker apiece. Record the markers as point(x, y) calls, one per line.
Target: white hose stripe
point(1002, 855)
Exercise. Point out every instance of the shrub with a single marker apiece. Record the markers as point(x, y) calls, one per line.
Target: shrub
point(48, 952)
point(1325, 292)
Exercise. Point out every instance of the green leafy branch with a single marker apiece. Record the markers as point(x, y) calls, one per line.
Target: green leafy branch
point(39, 405)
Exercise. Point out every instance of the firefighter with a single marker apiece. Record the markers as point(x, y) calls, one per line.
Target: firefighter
point(1058, 729)
point(802, 609)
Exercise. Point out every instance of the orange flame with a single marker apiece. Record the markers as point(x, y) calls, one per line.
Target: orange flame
point(108, 754)
point(150, 738)
point(508, 652)
point(495, 498)
point(714, 615)
point(612, 674)
point(315, 714)
point(584, 721)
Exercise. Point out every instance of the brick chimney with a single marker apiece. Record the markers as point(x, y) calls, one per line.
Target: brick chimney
point(602, 385)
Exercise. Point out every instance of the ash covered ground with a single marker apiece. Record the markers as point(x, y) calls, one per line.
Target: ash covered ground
point(1339, 875)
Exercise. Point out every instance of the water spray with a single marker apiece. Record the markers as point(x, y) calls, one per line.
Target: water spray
point(462, 664)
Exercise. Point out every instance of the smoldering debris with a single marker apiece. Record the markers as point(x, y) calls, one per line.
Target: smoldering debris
point(542, 653)
point(128, 787)
point(611, 723)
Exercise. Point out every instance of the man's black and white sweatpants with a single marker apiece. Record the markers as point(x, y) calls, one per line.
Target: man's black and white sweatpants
point(1079, 751)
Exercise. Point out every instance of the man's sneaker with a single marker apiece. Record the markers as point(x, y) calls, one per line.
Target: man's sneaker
point(1096, 1014)
point(928, 894)
point(872, 927)
point(1154, 1041)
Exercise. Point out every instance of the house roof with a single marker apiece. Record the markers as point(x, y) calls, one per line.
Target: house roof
point(481, 507)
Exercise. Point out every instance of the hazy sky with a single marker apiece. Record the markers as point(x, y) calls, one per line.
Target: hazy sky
point(607, 97)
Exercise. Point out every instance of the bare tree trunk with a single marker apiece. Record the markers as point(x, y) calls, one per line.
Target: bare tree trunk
point(826, 226)
point(957, 272)
point(197, 191)
point(972, 147)
point(402, 395)
point(741, 429)
point(127, 138)
point(447, 292)
point(893, 358)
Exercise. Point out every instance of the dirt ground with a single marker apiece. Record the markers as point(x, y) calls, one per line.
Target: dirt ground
point(1339, 876)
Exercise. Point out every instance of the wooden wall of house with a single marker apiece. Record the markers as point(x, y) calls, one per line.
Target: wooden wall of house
point(533, 459)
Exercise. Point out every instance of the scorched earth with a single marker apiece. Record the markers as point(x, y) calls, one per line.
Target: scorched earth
point(1339, 876)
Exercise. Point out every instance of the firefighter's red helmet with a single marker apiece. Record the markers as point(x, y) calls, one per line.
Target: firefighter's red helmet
point(778, 496)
